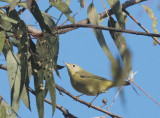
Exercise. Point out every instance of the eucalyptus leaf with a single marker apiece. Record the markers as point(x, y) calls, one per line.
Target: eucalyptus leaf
point(94, 19)
point(154, 23)
point(117, 10)
point(44, 62)
point(14, 74)
point(64, 8)
point(2, 39)
point(121, 45)
point(21, 35)
point(2, 111)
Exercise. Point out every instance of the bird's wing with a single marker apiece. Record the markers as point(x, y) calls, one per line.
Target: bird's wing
point(90, 75)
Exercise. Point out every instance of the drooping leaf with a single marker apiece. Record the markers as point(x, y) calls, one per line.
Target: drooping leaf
point(49, 47)
point(121, 45)
point(38, 16)
point(44, 59)
point(39, 89)
point(20, 33)
point(51, 88)
point(2, 39)
point(117, 10)
point(52, 43)
point(154, 23)
point(2, 111)
point(13, 68)
point(94, 19)
point(64, 8)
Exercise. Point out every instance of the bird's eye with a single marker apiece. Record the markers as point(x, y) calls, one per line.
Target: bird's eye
point(73, 65)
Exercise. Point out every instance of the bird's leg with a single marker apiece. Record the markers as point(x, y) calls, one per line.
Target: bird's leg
point(77, 97)
point(92, 100)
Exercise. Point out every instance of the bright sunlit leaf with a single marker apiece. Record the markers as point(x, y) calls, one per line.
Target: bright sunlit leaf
point(154, 23)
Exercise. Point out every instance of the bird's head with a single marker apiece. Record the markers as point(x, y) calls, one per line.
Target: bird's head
point(72, 68)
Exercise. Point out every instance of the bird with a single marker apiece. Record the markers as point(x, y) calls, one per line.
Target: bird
point(88, 83)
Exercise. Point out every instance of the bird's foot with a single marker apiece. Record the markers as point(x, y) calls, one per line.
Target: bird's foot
point(77, 97)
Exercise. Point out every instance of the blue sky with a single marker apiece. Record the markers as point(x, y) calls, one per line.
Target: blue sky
point(81, 47)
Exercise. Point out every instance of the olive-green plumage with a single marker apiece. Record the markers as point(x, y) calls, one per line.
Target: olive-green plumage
point(88, 83)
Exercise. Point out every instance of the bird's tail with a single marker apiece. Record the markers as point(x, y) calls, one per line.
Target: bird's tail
point(121, 83)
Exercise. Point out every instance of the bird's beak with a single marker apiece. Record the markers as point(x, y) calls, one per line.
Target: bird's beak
point(66, 64)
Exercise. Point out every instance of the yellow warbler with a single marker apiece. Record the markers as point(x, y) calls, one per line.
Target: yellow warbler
point(88, 83)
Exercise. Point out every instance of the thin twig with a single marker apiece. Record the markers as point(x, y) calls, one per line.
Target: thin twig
point(115, 98)
point(73, 17)
point(143, 91)
point(59, 19)
point(105, 28)
point(140, 25)
point(3, 67)
point(101, 15)
point(21, 11)
point(86, 103)
point(48, 8)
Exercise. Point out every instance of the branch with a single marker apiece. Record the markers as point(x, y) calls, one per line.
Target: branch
point(140, 25)
point(3, 67)
point(86, 103)
point(106, 28)
point(101, 16)
point(65, 112)
point(131, 80)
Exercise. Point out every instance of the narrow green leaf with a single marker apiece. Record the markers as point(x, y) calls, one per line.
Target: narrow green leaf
point(51, 87)
point(38, 75)
point(2, 111)
point(13, 67)
point(94, 19)
point(40, 94)
point(154, 23)
point(64, 8)
point(120, 42)
point(52, 42)
point(117, 36)
point(117, 10)
point(2, 39)
point(20, 33)
point(38, 16)
point(44, 59)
